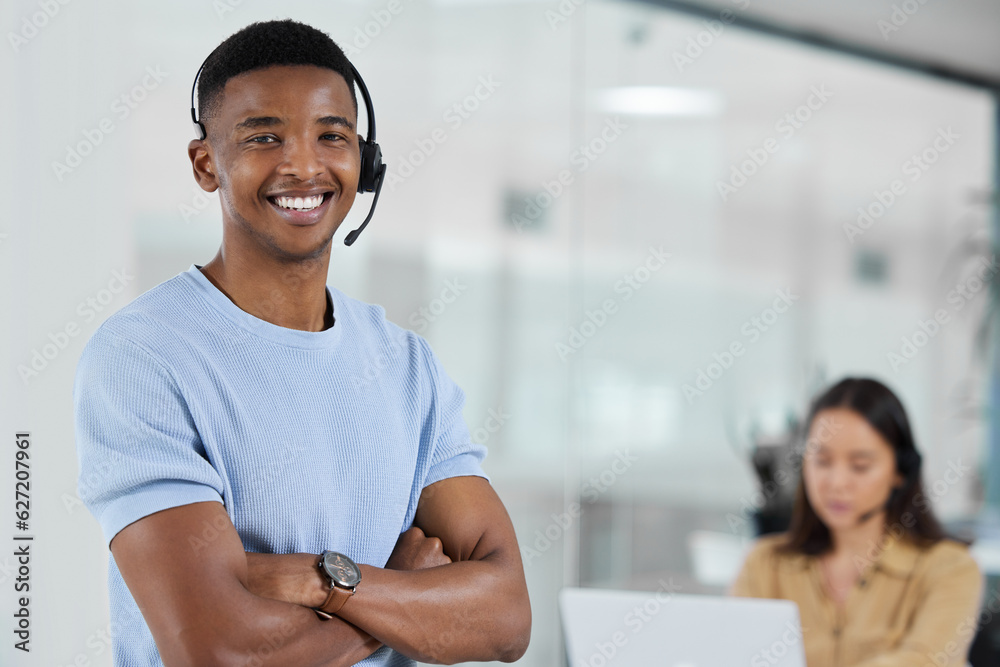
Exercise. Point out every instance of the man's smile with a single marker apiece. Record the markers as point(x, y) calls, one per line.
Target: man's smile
point(301, 209)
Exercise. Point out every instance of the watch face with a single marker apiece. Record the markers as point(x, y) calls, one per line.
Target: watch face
point(341, 569)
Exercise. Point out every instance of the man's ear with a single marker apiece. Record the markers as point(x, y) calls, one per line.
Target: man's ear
point(201, 165)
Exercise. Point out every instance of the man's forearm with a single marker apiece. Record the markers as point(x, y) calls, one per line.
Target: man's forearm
point(274, 633)
point(470, 610)
point(201, 609)
point(464, 611)
point(296, 633)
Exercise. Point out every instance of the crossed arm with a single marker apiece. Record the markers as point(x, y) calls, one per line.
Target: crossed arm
point(453, 589)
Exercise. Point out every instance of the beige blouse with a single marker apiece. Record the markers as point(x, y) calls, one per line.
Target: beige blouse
point(912, 607)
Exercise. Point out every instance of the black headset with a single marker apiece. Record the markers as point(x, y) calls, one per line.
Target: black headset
point(372, 167)
point(908, 464)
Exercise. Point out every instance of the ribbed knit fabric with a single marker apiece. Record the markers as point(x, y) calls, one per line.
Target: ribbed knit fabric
point(311, 440)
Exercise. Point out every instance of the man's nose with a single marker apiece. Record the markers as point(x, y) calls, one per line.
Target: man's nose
point(301, 159)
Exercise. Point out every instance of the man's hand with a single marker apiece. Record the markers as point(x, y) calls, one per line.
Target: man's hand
point(295, 578)
point(474, 608)
point(416, 551)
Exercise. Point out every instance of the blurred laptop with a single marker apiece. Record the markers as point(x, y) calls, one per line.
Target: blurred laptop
point(606, 628)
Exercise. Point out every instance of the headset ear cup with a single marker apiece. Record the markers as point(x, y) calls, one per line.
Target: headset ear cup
point(910, 464)
point(371, 164)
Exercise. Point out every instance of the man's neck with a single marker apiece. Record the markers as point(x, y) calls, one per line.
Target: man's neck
point(290, 295)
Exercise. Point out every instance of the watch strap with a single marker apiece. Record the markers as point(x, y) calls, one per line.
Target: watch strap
point(334, 601)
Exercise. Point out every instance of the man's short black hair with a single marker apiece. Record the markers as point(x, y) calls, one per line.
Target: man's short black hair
point(264, 44)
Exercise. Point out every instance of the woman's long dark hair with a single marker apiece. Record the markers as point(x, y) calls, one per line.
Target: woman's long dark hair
point(908, 511)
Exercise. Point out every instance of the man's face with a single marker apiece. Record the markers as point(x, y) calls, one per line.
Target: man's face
point(283, 150)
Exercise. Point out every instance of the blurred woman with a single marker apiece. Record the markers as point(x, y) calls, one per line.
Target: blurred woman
point(877, 582)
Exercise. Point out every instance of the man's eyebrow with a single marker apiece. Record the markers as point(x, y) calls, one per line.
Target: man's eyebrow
point(335, 120)
point(254, 122)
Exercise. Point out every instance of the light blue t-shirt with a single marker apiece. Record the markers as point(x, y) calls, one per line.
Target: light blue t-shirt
point(311, 440)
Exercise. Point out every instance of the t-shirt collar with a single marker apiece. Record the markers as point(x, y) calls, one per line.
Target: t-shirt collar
point(282, 335)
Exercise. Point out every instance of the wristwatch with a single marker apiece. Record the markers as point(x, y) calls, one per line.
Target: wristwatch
point(344, 577)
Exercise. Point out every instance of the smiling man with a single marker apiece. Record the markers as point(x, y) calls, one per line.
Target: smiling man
point(261, 507)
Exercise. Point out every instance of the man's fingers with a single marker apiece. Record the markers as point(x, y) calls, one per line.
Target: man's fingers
point(416, 551)
point(412, 536)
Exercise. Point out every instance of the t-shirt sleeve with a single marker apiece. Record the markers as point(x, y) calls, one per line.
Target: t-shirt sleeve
point(138, 448)
point(453, 454)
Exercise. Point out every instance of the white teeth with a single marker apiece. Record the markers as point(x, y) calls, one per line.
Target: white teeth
point(299, 203)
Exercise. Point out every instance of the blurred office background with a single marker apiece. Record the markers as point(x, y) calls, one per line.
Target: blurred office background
point(624, 191)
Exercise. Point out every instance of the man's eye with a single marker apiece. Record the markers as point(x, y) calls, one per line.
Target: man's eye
point(262, 139)
point(861, 469)
point(331, 136)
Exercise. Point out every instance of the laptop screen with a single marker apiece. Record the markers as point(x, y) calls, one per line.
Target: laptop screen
point(607, 628)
